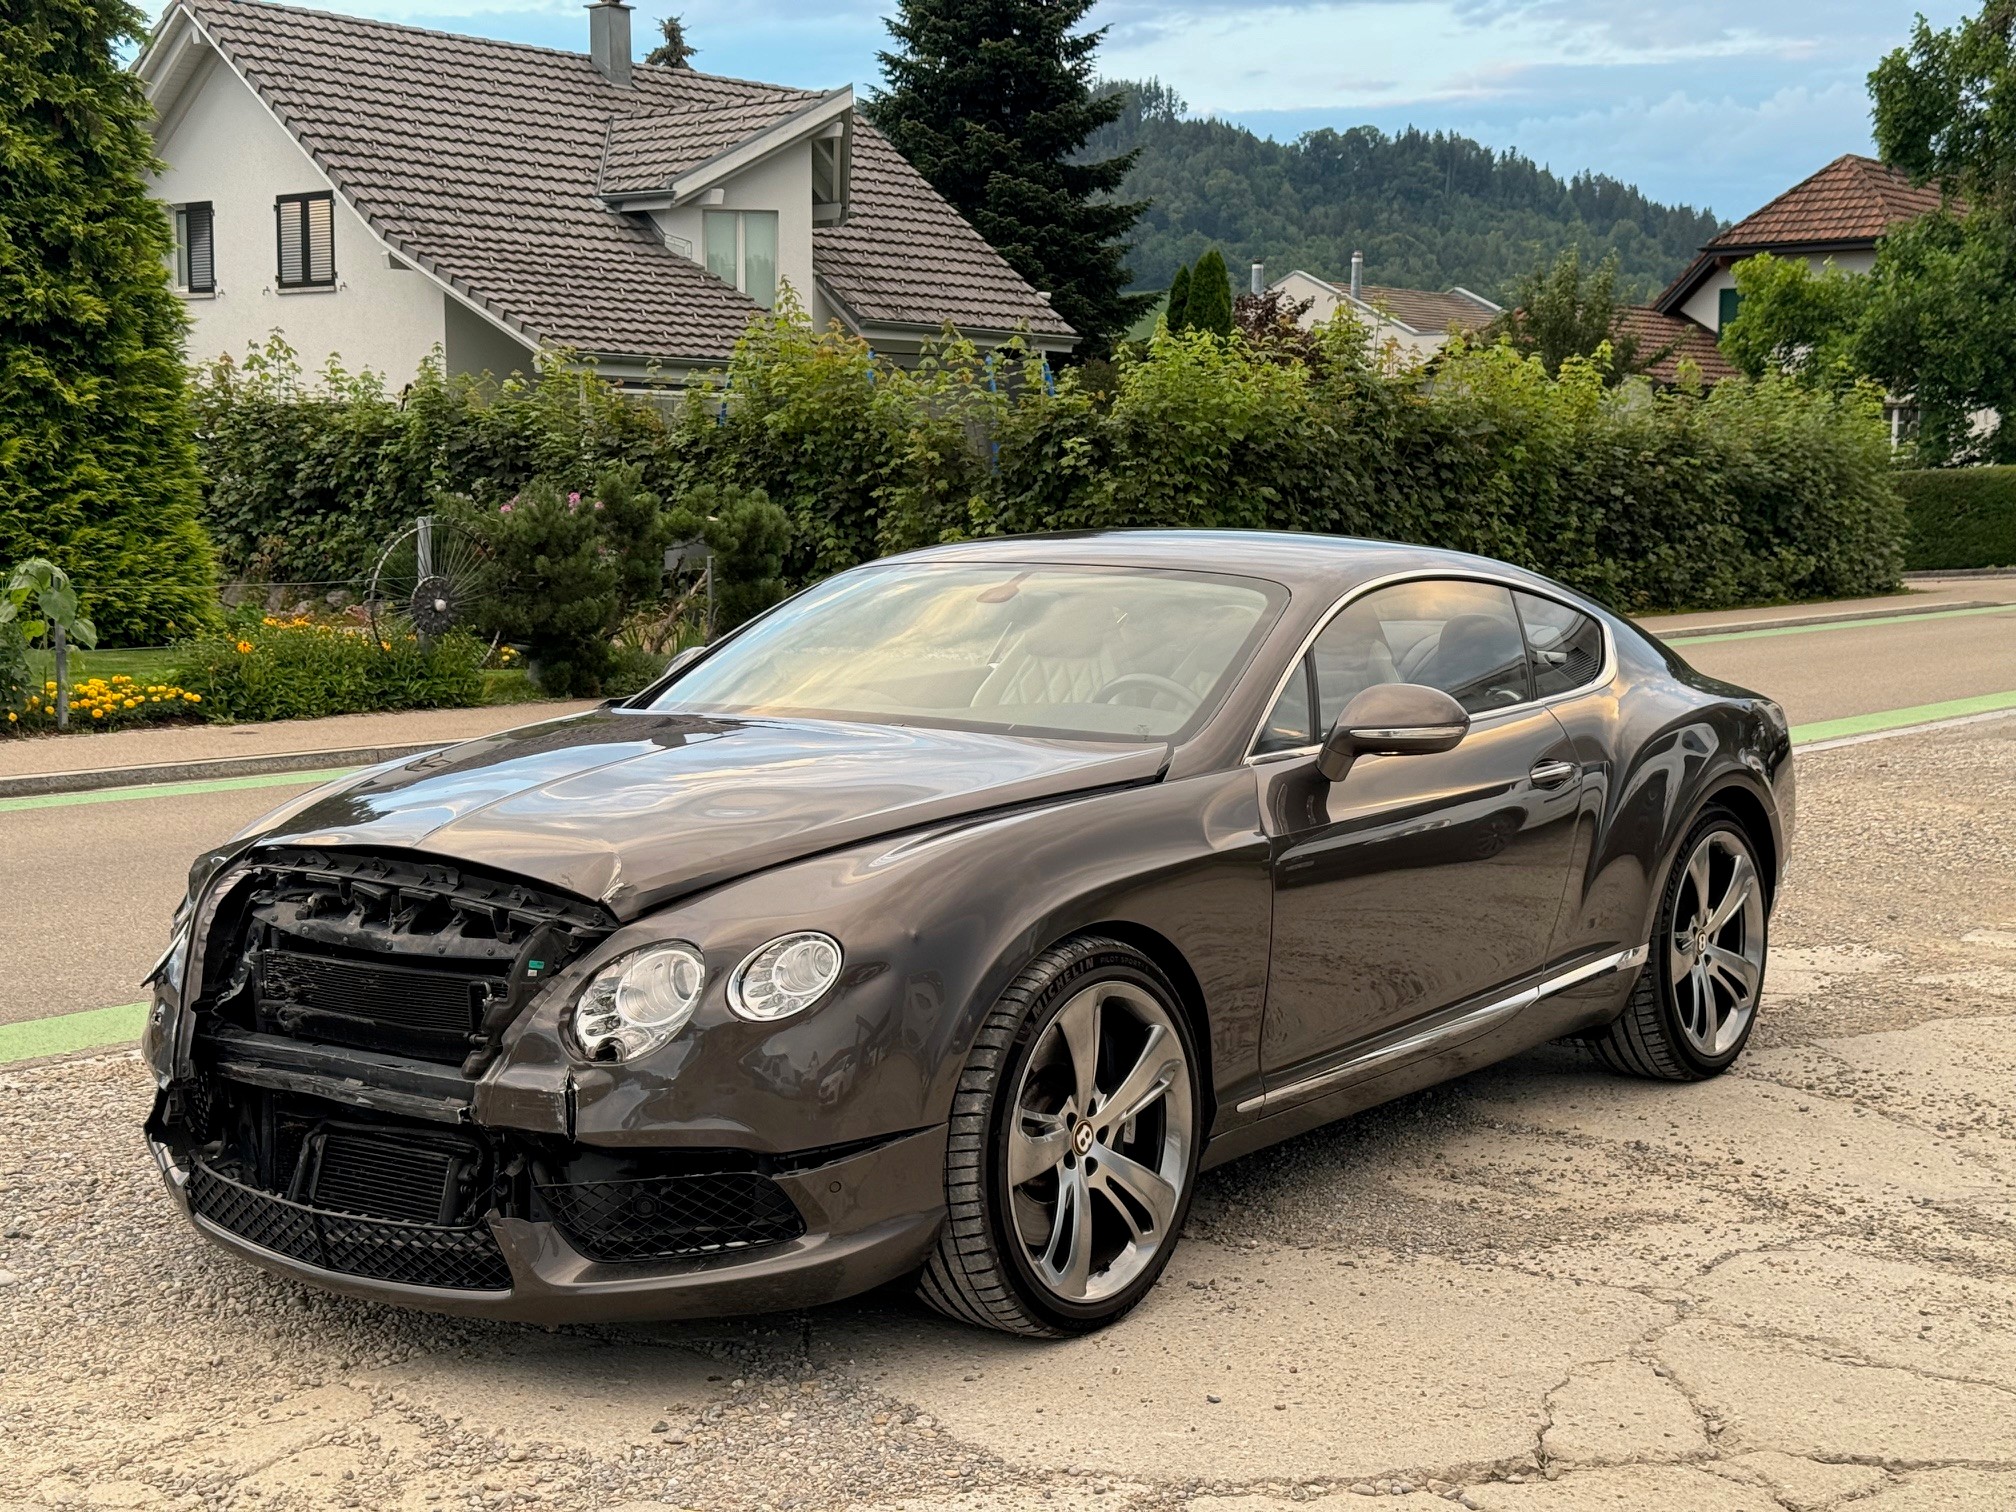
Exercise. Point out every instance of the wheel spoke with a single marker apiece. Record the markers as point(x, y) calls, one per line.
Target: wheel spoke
point(1038, 1145)
point(1697, 873)
point(1742, 882)
point(1737, 972)
point(1146, 1080)
point(1118, 1173)
point(1704, 1006)
point(1079, 1023)
point(1067, 1258)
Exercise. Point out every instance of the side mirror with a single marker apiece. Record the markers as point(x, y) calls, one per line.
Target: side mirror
point(1392, 719)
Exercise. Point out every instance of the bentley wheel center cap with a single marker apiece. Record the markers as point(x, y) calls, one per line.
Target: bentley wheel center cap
point(1083, 1139)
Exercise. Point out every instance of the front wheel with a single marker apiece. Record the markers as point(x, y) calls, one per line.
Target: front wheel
point(1073, 1147)
point(1695, 1003)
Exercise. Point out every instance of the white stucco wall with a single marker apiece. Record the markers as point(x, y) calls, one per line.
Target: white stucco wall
point(1704, 306)
point(221, 145)
point(1397, 346)
point(783, 183)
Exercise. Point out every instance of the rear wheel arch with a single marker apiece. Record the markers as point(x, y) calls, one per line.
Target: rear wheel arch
point(1749, 811)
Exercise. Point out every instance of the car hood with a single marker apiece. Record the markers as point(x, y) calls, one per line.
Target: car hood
point(634, 808)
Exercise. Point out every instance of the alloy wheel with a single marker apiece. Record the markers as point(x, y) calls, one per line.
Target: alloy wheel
point(1715, 955)
point(1099, 1146)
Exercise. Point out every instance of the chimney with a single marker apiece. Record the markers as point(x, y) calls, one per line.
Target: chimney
point(609, 40)
point(1358, 275)
point(1259, 279)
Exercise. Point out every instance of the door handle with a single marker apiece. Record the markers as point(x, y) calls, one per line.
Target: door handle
point(1551, 774)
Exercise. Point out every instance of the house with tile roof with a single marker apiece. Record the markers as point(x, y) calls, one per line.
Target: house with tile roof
point(1836, 216)
point(1411, 324)
point(377, 191)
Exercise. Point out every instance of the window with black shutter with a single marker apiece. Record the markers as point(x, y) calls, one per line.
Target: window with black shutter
point(307, 225)
point(195, 249)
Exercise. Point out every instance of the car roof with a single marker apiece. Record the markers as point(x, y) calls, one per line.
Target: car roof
point(1294, 559)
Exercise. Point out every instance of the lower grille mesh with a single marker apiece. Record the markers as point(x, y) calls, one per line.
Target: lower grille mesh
point(418, 1254)
point(669, 1217)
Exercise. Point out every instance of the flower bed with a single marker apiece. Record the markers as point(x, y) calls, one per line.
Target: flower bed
point(107, 703)
point(303, 668)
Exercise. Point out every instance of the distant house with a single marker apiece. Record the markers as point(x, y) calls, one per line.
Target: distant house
point(1414, 322)
point(1837, 216)
point(378, 191)
point(1834, 217)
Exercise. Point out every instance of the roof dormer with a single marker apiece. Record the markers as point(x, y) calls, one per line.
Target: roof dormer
point(670, 158)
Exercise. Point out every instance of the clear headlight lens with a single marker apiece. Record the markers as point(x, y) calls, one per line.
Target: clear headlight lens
point(639, 1001)
point(786, 976)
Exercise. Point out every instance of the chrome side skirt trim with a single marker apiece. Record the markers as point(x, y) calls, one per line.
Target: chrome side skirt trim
point(1461, 1027)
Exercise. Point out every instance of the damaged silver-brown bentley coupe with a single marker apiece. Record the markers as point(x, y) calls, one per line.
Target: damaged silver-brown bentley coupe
point(945, 921)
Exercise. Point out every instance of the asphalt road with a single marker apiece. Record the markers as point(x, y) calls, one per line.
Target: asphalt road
point(89, 886)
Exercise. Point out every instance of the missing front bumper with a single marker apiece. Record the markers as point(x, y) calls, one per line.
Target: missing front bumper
point(869, 1218)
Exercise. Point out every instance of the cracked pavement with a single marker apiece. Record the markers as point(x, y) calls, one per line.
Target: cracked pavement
point(1541, 1289)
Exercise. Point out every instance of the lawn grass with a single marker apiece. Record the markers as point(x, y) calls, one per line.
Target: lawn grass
point(145, 665)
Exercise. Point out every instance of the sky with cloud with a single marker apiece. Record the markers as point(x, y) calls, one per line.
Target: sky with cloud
point(1715, 103)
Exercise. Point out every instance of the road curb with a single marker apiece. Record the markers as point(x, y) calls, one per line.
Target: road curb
point(1793, 622)
point(37, 784)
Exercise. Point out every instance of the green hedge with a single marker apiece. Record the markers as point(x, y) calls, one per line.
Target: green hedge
point(266, 668)
point(1960, 517)
point(1752, 492)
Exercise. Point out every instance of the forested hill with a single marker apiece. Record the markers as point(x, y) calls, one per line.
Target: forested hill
point(1428, 210)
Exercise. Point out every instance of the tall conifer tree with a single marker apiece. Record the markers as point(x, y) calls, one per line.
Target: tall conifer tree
point(991, 100)
point(97, 463)
point(1179, 300)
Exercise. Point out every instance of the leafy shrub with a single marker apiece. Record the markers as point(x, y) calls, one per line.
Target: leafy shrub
point(106, 703)
point(1649, 499)
point(271, 668)
point(748, 536)
point(309, 476)
point(17, 682)
point(1960, 517)
point(571, 568)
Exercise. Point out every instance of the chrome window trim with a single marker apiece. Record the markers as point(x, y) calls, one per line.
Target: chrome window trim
point(1603, 674)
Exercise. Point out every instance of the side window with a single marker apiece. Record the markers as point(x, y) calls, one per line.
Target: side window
point(1288, 728)
point(195, 261)
point(1460, 637)
point(306, 225)
point(1566, 644)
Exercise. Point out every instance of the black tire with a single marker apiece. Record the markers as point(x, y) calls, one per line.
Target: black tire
point(980, 1273)
point(1647, 1039)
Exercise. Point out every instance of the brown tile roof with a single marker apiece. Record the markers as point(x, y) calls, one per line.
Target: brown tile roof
point(963, 279)
point(1848, 204)
point(1852, 199)
point(480, 160)
point(643, 152)
point(1671, 340)
point(1430, 313)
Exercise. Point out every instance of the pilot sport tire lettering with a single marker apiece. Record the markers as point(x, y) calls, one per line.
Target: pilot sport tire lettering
point(1073, 1150)
point(1695, 1002)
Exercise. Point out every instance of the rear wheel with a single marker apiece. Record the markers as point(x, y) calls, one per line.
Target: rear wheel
point(1696, 1000)
point(1073, 1147)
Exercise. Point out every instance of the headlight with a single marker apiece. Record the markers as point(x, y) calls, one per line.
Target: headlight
point(639, 1001)
point(786, 976)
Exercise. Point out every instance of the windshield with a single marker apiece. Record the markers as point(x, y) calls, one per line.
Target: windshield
point(1063, 651)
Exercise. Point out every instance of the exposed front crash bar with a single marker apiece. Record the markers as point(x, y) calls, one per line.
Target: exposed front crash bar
point(356, 1078)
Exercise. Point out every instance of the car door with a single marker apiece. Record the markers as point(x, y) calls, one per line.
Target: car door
point(1419, 882)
